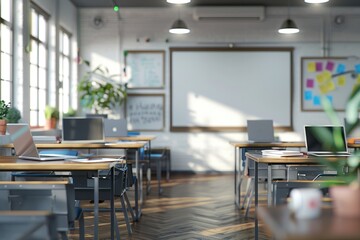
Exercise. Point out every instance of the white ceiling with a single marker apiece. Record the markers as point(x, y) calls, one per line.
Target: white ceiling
point(163, 3)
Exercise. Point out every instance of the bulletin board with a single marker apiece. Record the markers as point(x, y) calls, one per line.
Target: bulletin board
point(333, 78)
point(219, 89)
point(145, 112)
point(145, 69)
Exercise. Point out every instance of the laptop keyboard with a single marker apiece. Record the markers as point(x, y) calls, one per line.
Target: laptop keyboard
point(330, 154)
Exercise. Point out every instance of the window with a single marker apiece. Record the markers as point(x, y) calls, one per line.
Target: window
point(6, 57)
point(64, 71)
point(38, 65)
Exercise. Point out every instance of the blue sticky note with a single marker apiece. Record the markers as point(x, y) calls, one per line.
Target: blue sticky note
point(357, 68)
point(316, 101)
point(340, 68)
point(308, 95)
point(330, 98)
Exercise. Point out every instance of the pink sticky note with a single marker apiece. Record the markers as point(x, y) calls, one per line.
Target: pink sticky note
point(319, 66)
point(330, 66)
point(310, 83)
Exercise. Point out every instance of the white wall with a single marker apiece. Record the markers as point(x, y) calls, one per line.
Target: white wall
point(319, 36)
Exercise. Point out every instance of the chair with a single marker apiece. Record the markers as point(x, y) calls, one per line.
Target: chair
point(57, 197)
point(160, 155)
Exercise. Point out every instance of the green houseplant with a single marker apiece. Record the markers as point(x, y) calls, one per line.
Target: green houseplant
point(348, 169)
point(4, 109)
point(13, 115)
point(51, 117)
point(99, 92)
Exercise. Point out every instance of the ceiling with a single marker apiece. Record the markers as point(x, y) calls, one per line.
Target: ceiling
point(194, 3)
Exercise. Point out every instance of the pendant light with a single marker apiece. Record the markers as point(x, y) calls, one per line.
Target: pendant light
point(316, 1)
point(178, 1)
point(179, 27)
point(288, 26)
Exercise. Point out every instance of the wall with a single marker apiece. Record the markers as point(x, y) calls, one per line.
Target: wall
point(319, 36)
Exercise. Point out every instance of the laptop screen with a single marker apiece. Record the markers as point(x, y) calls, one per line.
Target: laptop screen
point(83, 129)
point(321, 139)
point(22, 139)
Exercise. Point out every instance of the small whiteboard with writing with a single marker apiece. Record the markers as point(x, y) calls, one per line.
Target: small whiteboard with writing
point(145, 69)
point(145, 112)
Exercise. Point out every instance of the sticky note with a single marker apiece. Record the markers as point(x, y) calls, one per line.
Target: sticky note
point(357, 68)
point(310, 83)
point(330, 85)
point(340, 68)
point(341, 81)
point(311, 67)
point(357, 79)
point(308, 95)
point(320, 78)
point(327, 75)
point(319, 66)
point(323, 88)
point(330, 66)
point(316, 101)
point(330, 98)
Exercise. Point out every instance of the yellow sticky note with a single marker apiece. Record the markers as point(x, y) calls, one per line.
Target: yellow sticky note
point(323, 88)
point(330, 85)
point(341, 81)
point(311, 67)
point(327, 75)
point(358, 79)
point(320, 78)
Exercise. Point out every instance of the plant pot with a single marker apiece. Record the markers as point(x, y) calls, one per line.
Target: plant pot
point(50, 123)
point(2, 126)
point(346, 201)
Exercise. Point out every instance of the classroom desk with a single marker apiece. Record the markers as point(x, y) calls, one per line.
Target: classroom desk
point(8, 163)
point(284, 226)
point(115, 145)
point(242, 147)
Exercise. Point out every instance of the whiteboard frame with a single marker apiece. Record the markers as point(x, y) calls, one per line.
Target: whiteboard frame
point(160, 52)
point(151, 95)
point(303, 79)
point(229, 128)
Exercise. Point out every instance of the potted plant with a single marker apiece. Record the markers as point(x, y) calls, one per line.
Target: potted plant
point(345, 191)
point(70, 113)
point(13, 115)
point(4, 109)
point(99, 92)
point(51, 117)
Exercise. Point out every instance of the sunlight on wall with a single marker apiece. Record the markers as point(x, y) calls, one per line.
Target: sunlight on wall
point(97, 59)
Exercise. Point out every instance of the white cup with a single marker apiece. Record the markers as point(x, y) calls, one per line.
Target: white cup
point(305, 202)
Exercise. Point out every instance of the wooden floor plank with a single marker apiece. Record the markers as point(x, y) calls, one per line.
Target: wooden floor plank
point(191, 207)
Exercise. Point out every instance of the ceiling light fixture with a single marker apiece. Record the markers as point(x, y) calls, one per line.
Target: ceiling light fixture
point(178, 1)
point(316, 1)
point(179, 27)
point(288, 26)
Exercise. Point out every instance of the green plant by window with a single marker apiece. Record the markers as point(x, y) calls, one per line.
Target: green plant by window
point(4, 109)
point(13, 115)
point(70, 113)
point(51, 112)
point(99, 92)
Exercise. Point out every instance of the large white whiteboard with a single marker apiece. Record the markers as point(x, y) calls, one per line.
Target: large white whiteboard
point(216, 89)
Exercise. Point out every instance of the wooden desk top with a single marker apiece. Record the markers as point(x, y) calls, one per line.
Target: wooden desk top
point(281, 160)
point(246, 144)
point(132, 138)
point(8, 163)
point(115, 145)
point(284, 226)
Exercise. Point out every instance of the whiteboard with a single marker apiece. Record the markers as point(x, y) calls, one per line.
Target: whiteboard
point(217, 89)
point(333, 77)
point(145, 69)
point(145, 112)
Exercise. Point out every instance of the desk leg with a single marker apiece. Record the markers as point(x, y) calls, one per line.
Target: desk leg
point(96, 205)
point(140, 184)
point(256, 200)
point(112, 204)
point(269, 188)
point(235, 174)
point(148, 173)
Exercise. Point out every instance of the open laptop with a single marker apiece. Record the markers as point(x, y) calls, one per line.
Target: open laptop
point(83, 130)
point(320, 142)
point(115, 127)
point(260, 131)
point(25, 146)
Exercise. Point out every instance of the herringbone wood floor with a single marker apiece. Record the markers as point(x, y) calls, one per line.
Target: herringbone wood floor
point(191, 207)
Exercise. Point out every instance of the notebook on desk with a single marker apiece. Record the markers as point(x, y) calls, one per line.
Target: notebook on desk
point(260, 131)
point(83, 130)
point(25, 146)
point(319, 141)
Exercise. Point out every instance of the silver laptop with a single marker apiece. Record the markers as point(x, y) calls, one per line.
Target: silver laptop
point(83, 130)
point(115, 127)
point(24, 144)
point(320, 142)
point(260, 131)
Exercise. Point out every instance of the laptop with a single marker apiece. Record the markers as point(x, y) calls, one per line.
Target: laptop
point(320, 142)
point(25, 146)
point(260, 131)
point(115, 127)
point(83, 130)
